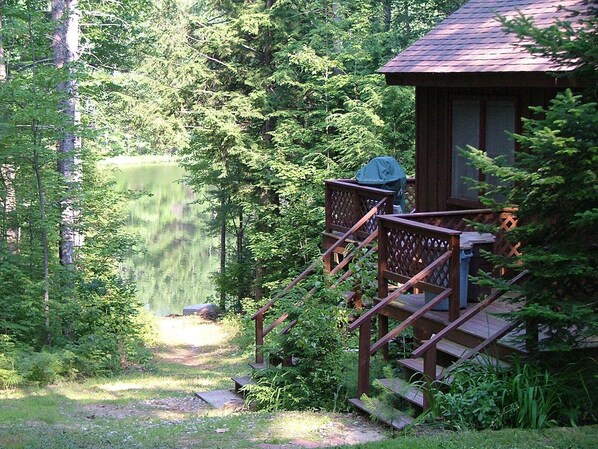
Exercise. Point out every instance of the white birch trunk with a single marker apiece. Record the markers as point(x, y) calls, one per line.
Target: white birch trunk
point(65, 44)
point(7, 171)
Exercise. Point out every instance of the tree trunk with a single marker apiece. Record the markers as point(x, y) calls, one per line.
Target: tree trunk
point(387, 6)
point(9, 234)
point(222, 216)
point(2, 60)
point(241, 289)
point(65, 44)
point(44, 239)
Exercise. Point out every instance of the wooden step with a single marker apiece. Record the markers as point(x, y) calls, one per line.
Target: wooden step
point(242, 381)
point(258, 366)
point(457, 350)
point(451, 348)
point(384, 413)
point(404, 389)
point(417, 366)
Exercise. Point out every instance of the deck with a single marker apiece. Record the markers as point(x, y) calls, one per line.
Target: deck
point(482, 326)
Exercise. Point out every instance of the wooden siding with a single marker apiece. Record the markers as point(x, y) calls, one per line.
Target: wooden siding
point(433, 135)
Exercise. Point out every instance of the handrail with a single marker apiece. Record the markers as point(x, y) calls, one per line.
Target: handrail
point(483, 345)
point(359, 247)
point(329, 251)
point(355, 186)
point(337, 268)
point(412, 318)
point(432, 342)
point(398, 292)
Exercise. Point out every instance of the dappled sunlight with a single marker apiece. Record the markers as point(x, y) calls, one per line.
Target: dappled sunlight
point(302, 428)
point(156, 383)
point(12, 394)
point(192, 331)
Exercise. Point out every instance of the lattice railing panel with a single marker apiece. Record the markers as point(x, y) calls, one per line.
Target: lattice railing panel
point(365, 205)
point(409, 195)
point(459, 221)
point(502, 246)
point(341, 208)
point(409, 252)
point(347, 202)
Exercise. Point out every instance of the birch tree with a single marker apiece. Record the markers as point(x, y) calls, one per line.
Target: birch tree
point(65, 45)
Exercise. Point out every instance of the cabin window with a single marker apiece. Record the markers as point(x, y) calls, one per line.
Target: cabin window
point(482, 124)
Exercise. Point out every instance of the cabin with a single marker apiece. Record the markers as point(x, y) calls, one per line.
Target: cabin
point(473, 84)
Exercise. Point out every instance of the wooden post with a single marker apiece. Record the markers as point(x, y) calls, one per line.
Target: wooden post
point(454, 277)
point(382, 260)
point(363, 373)
point(356, 210)
point(259, 338)
point(429, 374)
point(328, 208)
point(382, 331)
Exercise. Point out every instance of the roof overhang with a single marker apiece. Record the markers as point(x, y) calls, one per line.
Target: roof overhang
point(508, 79)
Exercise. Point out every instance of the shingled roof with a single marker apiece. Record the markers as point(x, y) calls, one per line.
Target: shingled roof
point(472, 41)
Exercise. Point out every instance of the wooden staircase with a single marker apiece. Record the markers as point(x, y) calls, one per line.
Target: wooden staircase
point(417, 253)
point(430, 366)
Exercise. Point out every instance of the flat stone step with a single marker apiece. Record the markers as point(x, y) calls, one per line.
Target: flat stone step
point(222, 399)
point(457, 350)
point(404, 389)
point(242, 381)
point(383, 413)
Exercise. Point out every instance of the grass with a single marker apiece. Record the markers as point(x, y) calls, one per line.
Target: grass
point(556, 438)
point(154, 407)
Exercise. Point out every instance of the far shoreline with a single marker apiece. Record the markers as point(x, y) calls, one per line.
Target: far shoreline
point(140, 159)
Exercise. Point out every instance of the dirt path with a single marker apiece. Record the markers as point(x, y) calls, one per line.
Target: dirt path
point(194, 352)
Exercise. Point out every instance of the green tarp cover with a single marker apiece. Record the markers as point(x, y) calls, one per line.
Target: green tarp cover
point(384, 172)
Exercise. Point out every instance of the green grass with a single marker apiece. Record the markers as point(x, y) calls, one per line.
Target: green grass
point(557, 438)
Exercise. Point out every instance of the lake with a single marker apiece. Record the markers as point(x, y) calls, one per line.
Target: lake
point(175, 255)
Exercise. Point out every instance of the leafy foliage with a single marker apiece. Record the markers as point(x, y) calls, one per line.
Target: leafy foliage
point(484, 396)
point(54, 319)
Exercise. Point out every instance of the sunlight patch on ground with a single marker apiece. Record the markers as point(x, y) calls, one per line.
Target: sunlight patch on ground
point(191, 331)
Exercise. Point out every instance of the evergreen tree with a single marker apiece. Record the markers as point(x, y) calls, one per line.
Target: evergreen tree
point(553, 185)
point(291, 99)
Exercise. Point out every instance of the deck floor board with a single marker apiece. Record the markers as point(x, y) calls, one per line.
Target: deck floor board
point(483, 325)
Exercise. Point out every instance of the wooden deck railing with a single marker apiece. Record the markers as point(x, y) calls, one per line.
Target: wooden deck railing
point(406, 247)
point(416, 255)
point(258, 317)
point(460, 220)
point(422, 250)
point(347, 202)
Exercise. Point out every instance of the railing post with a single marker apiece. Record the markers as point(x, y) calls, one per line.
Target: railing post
point(356, 210)
point(429, 374)
point(454, 277)
point(363, 373)
point(382, 331)
point(328, 208)
point(259, 338)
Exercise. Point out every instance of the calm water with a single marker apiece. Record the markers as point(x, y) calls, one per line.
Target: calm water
point(172, 268)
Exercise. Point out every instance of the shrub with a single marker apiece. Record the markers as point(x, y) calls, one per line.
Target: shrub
point(483, 396)
point(46, 367)
point(318, 345)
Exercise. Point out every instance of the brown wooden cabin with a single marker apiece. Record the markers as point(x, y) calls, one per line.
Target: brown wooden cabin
point(472, 84)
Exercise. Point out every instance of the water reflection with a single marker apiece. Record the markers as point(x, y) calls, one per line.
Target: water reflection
point(176, 255)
